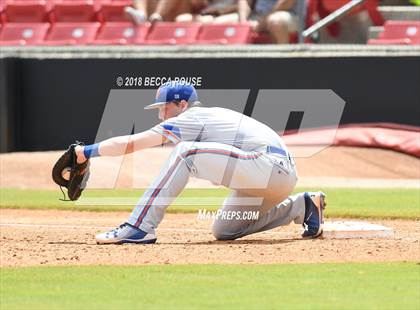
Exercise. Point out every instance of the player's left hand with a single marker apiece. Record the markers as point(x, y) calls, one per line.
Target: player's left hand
point(69, 174)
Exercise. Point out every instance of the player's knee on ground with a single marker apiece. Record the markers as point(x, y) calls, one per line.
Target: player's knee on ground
point(222, 231)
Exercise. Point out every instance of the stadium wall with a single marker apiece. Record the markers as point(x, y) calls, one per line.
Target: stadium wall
point(40, 95)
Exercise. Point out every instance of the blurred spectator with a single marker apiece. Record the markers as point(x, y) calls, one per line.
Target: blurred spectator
point(213, 11)
point(141, 10)
point(278, 17)
point(161, 10)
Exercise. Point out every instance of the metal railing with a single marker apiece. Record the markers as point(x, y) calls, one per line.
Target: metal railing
point(314, 29)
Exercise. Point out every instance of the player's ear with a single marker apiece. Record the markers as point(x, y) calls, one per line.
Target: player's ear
point(184, 105)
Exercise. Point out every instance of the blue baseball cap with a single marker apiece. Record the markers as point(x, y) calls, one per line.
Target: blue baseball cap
point(173, 91)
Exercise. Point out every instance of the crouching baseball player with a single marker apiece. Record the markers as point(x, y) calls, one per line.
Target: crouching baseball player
point(216, 144)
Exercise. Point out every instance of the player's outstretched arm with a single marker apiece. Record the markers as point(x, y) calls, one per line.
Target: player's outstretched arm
point(118, 146)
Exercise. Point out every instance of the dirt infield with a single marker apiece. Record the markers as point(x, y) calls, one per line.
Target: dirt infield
point(64, 237)
point(334, 166)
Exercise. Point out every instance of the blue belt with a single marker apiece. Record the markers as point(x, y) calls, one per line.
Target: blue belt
point(277, 150)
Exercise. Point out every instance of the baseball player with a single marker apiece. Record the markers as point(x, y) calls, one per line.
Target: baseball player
point(224, 147)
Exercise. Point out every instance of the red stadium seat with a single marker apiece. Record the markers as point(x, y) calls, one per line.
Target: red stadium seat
point(404, 41)
point(2, 16)
point(224, 34)
point(47, 3)
point(121, 34)
point(114, 12)
point(96, 3)
point(23, 33)
point(73, 11)
point(72, 33)
point(26, 12)
point(126, 2)
point(399, 32)
point(100, 3)
point(173, 33)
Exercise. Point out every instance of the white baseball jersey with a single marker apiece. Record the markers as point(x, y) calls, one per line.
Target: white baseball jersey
point(219, 125)
point(227, 148)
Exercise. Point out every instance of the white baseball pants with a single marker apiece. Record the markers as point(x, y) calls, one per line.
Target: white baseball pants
point(260, 181)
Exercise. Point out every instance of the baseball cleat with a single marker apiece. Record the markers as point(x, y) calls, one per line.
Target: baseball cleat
point(314, 217)
point(125, 233)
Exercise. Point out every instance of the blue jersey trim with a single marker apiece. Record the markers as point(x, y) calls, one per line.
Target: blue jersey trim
point(175, 130)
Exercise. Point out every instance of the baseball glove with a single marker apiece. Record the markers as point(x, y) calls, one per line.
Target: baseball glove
point(69, 174)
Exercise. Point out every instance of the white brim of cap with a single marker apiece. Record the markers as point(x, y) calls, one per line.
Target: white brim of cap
point(154, 105)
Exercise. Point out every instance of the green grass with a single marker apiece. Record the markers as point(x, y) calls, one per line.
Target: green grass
point(346, 203)
point(322, 286)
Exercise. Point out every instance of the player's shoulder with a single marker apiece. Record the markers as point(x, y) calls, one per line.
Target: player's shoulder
point(187, 113)
point(208, 112)
point(195, 111)
point(201, 109)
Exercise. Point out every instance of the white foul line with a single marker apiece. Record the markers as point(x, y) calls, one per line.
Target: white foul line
point(108, 227)
point(89, 227)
